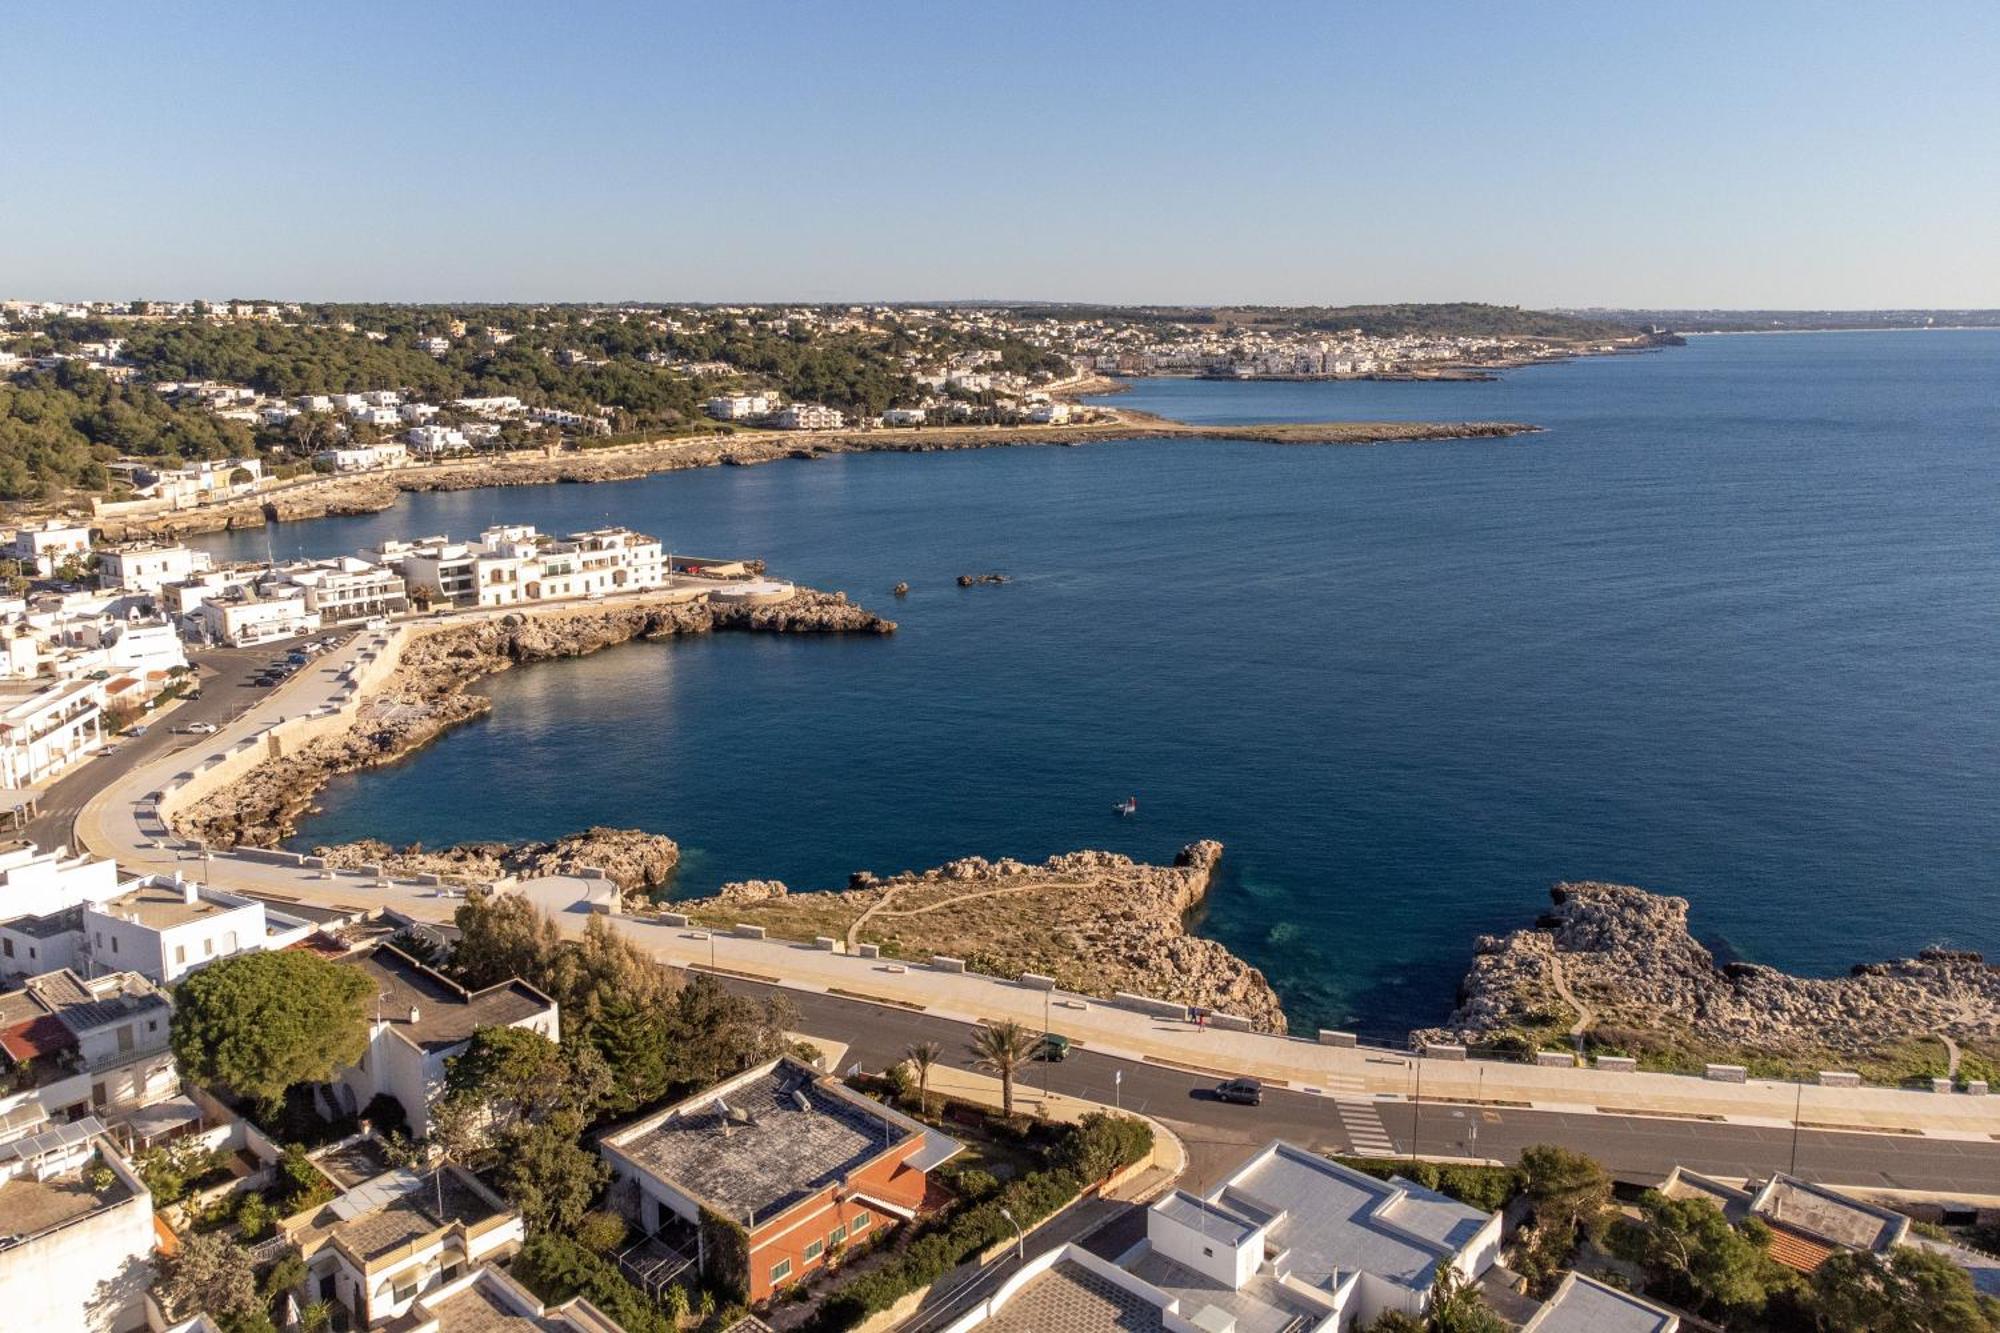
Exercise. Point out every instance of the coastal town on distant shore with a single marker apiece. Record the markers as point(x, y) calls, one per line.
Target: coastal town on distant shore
point(250, 1082)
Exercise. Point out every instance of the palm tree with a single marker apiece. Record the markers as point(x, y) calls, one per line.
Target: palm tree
point(1004, 1049)
point(923, 1056)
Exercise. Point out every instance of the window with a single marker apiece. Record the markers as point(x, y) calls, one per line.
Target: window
point(403, 1291)
point(7, 946)
point(125, 1041)
point(180, 953)
point(812, 1250)
point(208, 948)
point(780, 1271)
point(839, 1234)
point(152, 1025)
point(859, 1224)
point(114, 944)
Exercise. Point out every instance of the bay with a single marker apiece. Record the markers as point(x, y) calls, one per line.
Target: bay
point(1727, 629)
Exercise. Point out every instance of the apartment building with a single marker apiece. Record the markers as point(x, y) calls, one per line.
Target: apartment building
point(436, 441)
point(243, 616)
point(367, 457)
point(740, 406)
point(71, 1047)
point(148, 568)
point(809, 416)
point(46, 727)
point(348, 589)
point(37, 886)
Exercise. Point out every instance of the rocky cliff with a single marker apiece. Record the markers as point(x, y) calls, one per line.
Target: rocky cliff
point(1623, 964)
point(426, 693)
point(1095, 921)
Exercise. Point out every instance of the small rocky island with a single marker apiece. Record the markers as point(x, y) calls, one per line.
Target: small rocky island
point(1619, 967)
point(1095, 921)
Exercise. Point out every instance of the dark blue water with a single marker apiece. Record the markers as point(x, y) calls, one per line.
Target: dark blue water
point(1730, 629)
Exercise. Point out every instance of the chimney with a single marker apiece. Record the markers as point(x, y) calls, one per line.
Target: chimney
point(413, 1014)
point(190, 892)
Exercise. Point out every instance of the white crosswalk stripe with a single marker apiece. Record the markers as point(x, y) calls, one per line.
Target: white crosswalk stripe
point(1365, 1131)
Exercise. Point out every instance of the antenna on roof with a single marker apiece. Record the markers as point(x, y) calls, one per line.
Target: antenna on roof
point(799, 1100)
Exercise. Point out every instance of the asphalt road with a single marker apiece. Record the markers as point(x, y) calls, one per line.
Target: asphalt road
point(226, 690)
point(1219, 1136)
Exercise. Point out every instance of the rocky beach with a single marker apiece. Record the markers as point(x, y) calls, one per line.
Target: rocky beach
point(1095, 921)
point(1620, 967)
point(427, 693)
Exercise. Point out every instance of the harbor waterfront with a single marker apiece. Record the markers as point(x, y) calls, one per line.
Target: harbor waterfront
point(1725, 630)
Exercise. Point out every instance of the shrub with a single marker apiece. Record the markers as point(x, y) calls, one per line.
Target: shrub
point(1100, 1144)
point(601, 1232)
point(253, 1216)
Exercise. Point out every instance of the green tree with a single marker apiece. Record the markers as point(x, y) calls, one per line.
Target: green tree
point(548, 1174)
point(259, 1022)
point(1101, 1143)
point(1909, 1290)
point(207, 1273)
point(1004, 1050)
point(503, 936)
point(1691, 1252)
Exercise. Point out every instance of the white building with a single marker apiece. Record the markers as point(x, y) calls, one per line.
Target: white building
point(435, 441)
point(903, 416)
point(366, 457)
point(808, 416)
point(417, 413)
point(435, 346)
point(47, 727)
point(402, 1237)
point(499, 405)
point(43, 547)
point(740, 406)
point(1049, 414)
point(163, 929)
point(76, 1258)
point(516, 564)
point(347, 589)
point(487, 1299)
point(241, 617)
point(70, 1047)
point(1294, 1237)
point(149, 568)
point(35, 883)
point(423, 1019)
point(1585, 1305)
point(313, 402)
point(194, 484)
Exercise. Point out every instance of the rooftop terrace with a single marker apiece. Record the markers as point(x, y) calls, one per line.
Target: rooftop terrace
point(762, 1141)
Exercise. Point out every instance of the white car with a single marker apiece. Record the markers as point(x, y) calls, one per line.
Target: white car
point(202, 728)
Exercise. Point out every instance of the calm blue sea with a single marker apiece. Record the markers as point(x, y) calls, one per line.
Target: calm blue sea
point(1729, 629)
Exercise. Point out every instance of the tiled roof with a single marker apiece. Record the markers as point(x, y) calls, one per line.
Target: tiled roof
point(1069, 1298)
point(447, 1013)
point(1795, 1249)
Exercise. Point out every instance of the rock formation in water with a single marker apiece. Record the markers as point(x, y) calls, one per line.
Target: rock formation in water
point(1641, 981)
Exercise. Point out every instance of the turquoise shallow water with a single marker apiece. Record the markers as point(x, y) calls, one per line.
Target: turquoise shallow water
point(1729, 629)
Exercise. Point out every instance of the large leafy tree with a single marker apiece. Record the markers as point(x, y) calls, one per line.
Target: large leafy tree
point(548, 1174)
point(257, 1023)
point(515, 1077)
point(1692, 1252)
point(207, 1273)
point(1909, 1290)
point(503, 936)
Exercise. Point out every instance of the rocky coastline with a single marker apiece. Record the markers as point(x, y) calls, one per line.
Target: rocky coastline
point(427, 693)
point(635, 860)
point(373, 493)
point(1619, 967)
point(1095, 921)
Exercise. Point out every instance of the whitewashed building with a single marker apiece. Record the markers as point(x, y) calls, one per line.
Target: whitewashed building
point(809, 416)
point(149, 567)
point(240, 616)
point(77, 1255)
point(43, 547)
point(46, 727)
point(163, 929)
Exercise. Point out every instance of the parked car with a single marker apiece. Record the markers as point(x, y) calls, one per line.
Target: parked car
point(136, 732)
point(1241, 1091)
point(202, 728)
point(1053, 1047)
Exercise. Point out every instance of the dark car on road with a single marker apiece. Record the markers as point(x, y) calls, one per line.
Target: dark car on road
point(1052, 1047)
point(1242, 1091)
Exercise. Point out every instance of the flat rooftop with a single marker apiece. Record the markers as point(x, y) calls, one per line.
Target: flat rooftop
point(761, 1142)
point(1829, 1214)
point(1259, 1306)
point(447, 1013)
point(30, 1207)
point(1582, 1305)
point(409, 1209)
point(1336, 1220)
point(1070, 1298)
point(161, 908)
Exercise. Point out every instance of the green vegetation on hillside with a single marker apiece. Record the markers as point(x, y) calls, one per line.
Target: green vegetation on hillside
point(59, 428)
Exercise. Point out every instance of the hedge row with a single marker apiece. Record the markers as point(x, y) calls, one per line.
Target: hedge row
point(1485, 1187)
point(556, 1268)
point(931, 1256)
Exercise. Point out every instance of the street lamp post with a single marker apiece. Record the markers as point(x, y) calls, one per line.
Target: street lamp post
point(1020, 1237)
point(1118, 1090)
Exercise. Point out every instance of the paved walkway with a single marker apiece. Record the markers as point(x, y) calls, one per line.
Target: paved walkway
point(122, 823)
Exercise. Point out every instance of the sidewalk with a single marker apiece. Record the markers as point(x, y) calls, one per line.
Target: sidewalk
point(122, 823)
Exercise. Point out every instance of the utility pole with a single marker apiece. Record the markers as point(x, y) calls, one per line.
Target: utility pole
point(1118, 1090)
point(1417, 1119)
point(1798, 1107)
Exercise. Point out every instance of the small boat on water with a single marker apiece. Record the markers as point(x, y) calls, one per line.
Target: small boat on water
point(1128, 806)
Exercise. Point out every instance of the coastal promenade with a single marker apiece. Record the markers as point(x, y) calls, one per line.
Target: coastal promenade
point(124, 821)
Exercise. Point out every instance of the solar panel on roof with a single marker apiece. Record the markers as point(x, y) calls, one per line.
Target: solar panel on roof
point(54, 1140)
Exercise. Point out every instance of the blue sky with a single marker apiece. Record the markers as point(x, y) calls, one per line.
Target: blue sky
point(1541, 154)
